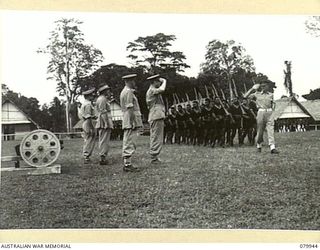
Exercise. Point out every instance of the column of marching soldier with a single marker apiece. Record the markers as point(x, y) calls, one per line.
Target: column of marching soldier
point(212, 122)
point(208, 122)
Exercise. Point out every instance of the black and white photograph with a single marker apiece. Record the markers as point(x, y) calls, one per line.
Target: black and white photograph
point(159, 121)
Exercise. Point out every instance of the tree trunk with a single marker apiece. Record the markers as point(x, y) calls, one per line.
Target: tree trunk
point(68, 116)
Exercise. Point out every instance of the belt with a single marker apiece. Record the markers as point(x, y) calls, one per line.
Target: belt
point(267, 110)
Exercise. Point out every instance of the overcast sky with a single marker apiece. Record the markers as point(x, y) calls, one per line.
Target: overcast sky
point(269, 39)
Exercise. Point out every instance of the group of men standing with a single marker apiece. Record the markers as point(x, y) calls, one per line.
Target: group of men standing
point(131, 121)
point(104, 124)
point(213, 122)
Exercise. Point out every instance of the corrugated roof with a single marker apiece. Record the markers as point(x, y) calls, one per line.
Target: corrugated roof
point(313, 107)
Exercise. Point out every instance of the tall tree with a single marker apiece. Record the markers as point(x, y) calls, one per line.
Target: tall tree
point(153, 53)
point(57, 111)
point(70, 60)
point(313, 25)
point(225, 59)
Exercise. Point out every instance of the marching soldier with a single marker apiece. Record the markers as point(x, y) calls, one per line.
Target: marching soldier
point(189, 124)
point(245, 131)
point(181, 126)
point(87, 115)
point(172, 125)
point(265, 119)
point(131, 121)
point(253, 121)
point(219, 123)
point(206, 117)
point(235, 126)
point(228, 120)
point(156, 115)
point(104, 122)
point(196, 118)
point(166, 128)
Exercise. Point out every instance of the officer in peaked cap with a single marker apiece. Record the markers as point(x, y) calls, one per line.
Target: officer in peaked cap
point(131, 121)
point(86, 113)
point(263, 93)
point(156, 115)
point(104, 123)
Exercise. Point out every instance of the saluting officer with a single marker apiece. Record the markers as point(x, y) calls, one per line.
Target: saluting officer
point(156, 115)
point(265, 119)
point(87, 115)
point(104, 122)
point(131, 121)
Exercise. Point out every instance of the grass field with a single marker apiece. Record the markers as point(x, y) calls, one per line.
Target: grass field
point(197, 188)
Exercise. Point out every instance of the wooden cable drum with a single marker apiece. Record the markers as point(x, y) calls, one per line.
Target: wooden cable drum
point(40, 148)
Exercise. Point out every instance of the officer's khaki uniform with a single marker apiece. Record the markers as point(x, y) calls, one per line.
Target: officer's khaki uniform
point(129, 101)
point(87, 114)
point(265, 118)
point(104, 124)
point(156, 120)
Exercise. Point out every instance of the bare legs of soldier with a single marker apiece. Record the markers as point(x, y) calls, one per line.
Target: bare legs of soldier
point(170, 134)
point(206, 135)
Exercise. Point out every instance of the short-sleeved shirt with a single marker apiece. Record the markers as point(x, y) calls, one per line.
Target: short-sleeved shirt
point(189, 120)
point(253, 106)
point(172, 120)
point(235, 111)
point(253, 110)
point(264, 100)
point(195, 115)
point(86, 110)
point(205, 114)
point(218, 111)
point(181, 118)
point(246, 112)
point(128, 100)
point(155, 104)
point(103, 112)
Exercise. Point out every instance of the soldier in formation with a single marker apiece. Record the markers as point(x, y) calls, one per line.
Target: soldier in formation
point(87, 114)
point(213, 122)
point(104, 123)
point(131, 121)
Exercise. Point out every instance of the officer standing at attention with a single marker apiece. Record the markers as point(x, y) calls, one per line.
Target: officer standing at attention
point(104, 122)
point(156, 115)
point(265, 119)
point(131, 121)
point(87, 115)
